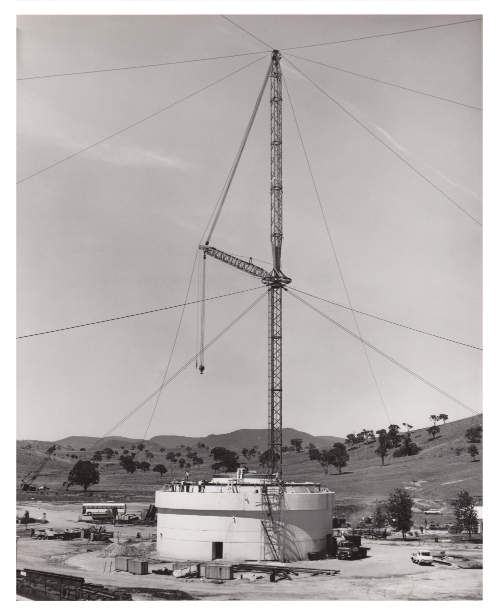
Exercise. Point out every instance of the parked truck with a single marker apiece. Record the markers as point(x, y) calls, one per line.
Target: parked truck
point(349, 548)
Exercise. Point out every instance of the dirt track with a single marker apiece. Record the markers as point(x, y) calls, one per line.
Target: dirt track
point(387, 574)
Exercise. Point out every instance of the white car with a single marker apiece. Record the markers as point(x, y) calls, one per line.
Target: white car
point(421, 557)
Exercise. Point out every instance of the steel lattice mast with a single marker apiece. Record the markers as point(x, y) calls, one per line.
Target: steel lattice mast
point(275, 279)
point(275, 290)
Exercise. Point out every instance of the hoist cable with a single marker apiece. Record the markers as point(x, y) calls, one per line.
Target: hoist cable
point(203, 314)
point(180, 370)
point(386, 355)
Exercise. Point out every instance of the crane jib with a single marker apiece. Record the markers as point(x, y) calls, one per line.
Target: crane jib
point(275, 280)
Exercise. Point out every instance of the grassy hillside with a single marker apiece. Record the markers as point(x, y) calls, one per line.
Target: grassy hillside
point(434, 476)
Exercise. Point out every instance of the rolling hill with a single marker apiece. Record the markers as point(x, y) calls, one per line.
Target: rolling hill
point(434, 476)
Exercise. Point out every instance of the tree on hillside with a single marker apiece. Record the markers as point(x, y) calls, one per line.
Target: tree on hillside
point(128, 464)
point(141, 446)
point(143, 466)
point(150, 455)
point(340, 457)
point(82, 449)
point(160, 468)
point(224, 459)
point(380, 515)
point(197, 461)
point(51, 450)
point(296, 443)
point(181, 462)
point(443, 417)
point(399, 507)
point(314, 452)
point(325, 458)
point(84, 473)
point(383, 445)
point(350, 439)
point(465, 513)
point(268, 458)
point(108, 452)
point(433, 430)
point(97, 457)
point(170, 456)
point(473, 451)
point(393, 435)
point(434, 419)
point(162, 449)
point(474, 434)
point(407, 447)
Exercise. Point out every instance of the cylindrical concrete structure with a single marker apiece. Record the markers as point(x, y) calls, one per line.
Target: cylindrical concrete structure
point(238, 521)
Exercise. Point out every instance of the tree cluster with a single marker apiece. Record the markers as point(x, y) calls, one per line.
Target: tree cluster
point(465, 512)
point(84, 473)
point(392, 438)
point(474, 434)
point(336, 456)
point(224, 459)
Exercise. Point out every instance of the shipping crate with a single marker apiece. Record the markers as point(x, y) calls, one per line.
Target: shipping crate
point(138, 567)
point(122, 563)
point(216, 572)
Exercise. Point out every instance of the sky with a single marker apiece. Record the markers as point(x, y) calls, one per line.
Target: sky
point(115, 229)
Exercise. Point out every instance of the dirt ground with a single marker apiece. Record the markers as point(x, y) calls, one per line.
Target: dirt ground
point(387, 573)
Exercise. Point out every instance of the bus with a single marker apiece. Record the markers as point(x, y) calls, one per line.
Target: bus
point(103, 511)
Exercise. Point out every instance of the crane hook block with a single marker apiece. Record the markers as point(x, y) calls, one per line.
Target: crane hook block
point(202, 368)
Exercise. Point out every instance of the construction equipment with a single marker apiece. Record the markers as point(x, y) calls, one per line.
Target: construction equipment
point(275, 280)
point(350, 548)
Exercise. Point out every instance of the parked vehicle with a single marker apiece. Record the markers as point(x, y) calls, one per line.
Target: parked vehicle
point(350, 548)
point(421, 557)
point(48, 533)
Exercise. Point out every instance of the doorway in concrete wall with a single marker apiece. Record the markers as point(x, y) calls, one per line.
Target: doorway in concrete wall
point(217, 549)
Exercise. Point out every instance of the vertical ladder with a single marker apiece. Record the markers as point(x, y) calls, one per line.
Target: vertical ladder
point(272, 523)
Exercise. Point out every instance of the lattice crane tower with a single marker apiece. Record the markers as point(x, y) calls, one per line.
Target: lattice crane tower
point(275, 279)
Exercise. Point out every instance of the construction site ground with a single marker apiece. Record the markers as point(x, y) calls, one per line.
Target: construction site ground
point(387, 573)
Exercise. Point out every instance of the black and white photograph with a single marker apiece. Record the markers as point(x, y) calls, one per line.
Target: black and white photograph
point(249, 324)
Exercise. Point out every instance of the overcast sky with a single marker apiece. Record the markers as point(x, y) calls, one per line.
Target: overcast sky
point(114, 230)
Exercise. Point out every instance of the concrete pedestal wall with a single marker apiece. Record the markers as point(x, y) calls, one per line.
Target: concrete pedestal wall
point(190, 523)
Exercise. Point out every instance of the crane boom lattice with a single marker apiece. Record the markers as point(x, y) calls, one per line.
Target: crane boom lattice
point(275, 279)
